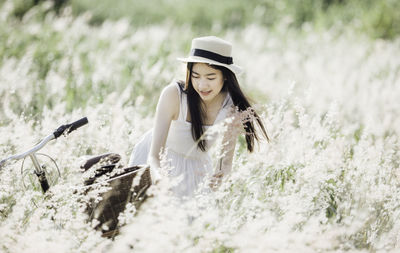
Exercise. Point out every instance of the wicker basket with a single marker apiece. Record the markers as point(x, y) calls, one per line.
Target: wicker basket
point(113, 202)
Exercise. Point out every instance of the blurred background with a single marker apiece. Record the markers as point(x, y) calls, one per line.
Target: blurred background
point(378, 19)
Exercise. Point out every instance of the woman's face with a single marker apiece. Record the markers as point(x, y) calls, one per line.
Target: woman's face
point(207, 81)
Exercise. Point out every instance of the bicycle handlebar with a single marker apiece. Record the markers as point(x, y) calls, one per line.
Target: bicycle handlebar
point(70, 127)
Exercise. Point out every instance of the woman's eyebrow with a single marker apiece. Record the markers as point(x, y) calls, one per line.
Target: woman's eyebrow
point(209, 74)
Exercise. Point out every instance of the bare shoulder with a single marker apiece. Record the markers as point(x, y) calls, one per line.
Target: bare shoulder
point(170, 94)
point(169, 99)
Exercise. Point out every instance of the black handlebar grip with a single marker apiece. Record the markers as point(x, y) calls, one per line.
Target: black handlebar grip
point(70, 127)
point(77, 124)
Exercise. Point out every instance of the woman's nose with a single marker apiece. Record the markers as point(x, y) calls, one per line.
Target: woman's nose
point(203, 83)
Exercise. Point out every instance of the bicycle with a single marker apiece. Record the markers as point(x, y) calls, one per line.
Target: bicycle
point(112, 202)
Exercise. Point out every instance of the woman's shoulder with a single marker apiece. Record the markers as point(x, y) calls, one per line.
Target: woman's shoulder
point(169, 93)
point(174, 88)
point(170, 97)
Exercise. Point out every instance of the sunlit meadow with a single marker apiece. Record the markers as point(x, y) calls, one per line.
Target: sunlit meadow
point(328, 181)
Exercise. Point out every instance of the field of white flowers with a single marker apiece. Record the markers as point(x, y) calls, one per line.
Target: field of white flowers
point(327, 182)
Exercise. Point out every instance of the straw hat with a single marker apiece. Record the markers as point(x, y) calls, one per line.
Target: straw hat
point(212, 50)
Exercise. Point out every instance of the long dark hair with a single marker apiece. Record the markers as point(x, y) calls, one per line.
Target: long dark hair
point(231, 85)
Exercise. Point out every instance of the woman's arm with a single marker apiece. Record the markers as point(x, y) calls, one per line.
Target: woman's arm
point(224, 165)
point(167, 110)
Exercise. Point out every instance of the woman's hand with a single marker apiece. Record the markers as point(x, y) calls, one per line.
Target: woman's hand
point(155, 175)
point(216, 180)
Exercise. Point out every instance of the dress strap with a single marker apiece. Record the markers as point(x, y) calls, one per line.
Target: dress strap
point(224, 108)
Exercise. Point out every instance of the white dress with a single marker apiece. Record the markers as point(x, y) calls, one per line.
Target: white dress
point(185, 159)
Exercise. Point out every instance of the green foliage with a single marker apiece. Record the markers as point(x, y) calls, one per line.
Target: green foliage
point(379, 19)
point(223, 249)
point(383, 19)
point(21, 7)
point(199, 14)
point(279, 177)
point(9, 203)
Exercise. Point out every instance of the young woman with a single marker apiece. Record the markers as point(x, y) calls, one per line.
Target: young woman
point(186, 110)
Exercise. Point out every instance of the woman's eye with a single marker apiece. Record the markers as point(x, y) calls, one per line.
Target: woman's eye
point(195, 77)
point(211, 79)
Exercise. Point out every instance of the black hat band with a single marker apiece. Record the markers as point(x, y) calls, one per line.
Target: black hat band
point(212, 56)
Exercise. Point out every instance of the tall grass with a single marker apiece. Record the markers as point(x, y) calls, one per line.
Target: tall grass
point(328, 181)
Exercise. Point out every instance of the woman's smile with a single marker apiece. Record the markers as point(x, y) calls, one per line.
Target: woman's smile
point(205, 93)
